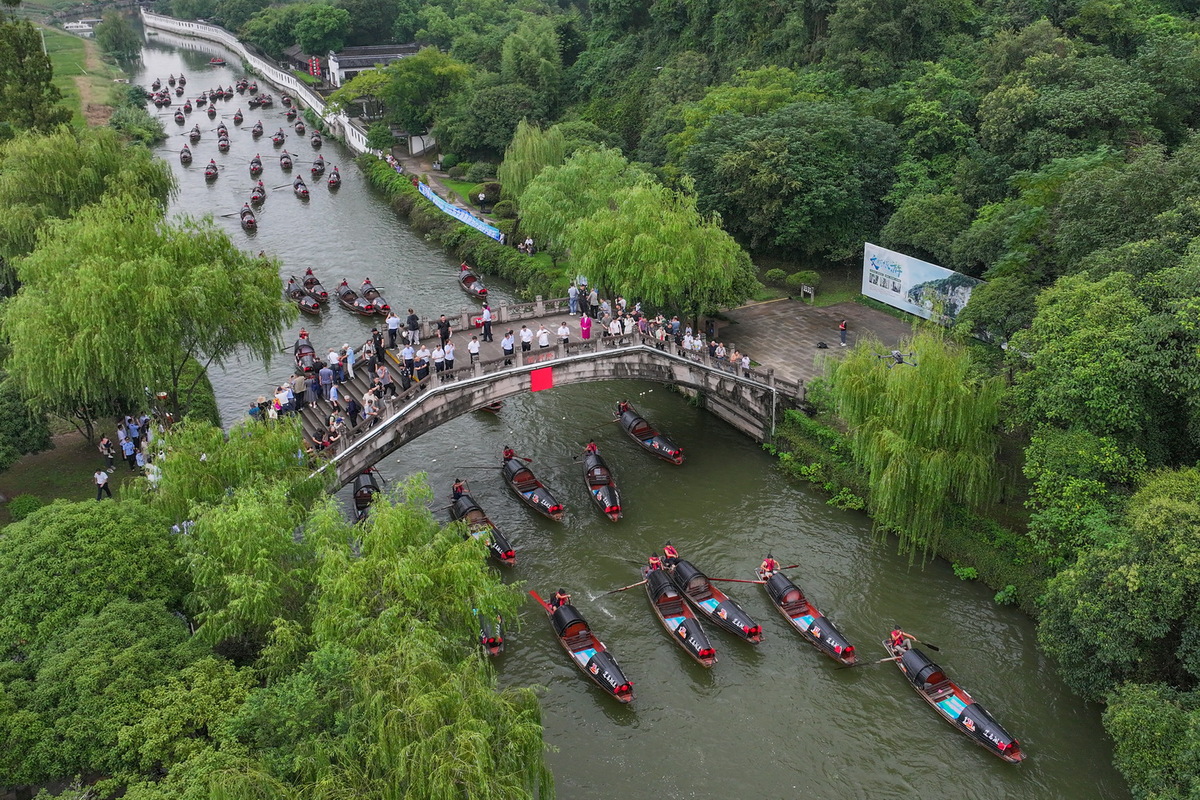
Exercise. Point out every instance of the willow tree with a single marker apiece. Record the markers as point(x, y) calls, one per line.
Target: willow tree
point(926, 435)
point(560, 196)
point(116, 300)
point(531, 151)
point(649, 242)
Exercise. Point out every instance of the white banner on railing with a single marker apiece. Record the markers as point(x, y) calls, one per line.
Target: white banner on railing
point(460, 214)
point(913, 285)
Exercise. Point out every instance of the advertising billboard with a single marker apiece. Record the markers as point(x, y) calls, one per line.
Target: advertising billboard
point(913, 285)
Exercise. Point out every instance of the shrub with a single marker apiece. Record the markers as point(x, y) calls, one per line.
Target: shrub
point(457, 171)
point(480, 171)
point(806, 277)
point(965, 573)
point(490, 192)
point(450, 161)
point(23, 505)
point(776, 275)
point(505, 209)
point(379, 136)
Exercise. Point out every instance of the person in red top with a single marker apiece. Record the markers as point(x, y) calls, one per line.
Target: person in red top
point(768, 566)
point(655, 562)
point(670, 554)
point(900, 639)
point(560, 599)
point(591, 447)
point(458, 489)
point(509, 453)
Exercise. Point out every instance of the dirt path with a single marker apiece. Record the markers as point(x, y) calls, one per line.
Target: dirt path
point(92, 88)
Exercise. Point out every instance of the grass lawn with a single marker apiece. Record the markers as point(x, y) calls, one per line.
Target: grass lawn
point(462, 189)
point(81, 76)
point(65, 471)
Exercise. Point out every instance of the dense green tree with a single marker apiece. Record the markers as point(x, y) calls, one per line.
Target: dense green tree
point(1154, 732)
point(531, 57)
point(371, 21)
point(808, 176)
point(322, 28)
point(22, 430)
point(487, 121)
point(926, 436)
point(152, 297)
point(870, 39)
point(116, 36)
point(926, 225)
point(28, 99)
point(274, 28)
point(532, 150)
point(420, 85)
point(233, 14)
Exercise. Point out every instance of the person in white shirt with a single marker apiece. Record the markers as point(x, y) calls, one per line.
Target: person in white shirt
point(486, 318)
point(473, 348)
point(423, 353)
point(507, 344)
point(449, 355)
point(439, 358)
point(543, 336)
point(393, 326)
point(614, 328)
point(526, 339)
point(348, 360)
point(687, 341)
point(746, 366)
point(564, 333)
point(101, 478)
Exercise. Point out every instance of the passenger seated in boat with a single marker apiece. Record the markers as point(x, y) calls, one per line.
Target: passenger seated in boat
point(900, 639)
point(768, 567)
point(670, 554)
point(655, 562)
point(560, 598)
point(458, 489)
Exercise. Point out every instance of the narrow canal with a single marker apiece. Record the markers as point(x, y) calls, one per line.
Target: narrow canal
point(776, 721)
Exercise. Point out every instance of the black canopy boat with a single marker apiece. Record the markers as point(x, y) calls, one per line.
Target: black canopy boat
point(257, 130)
point(194, 134)
point(641, 432)
point(802, 615)
point(154, 87)
point(306, 357)
point(315, 139)
point(266, 101)
point(185, 155)
point(299, 188)
point(371, 293)
point(335, 178)
point(241, 85)
point(179, 118)
point(600, 484)
point(278, 138)
point(587, 652)
point(216, 61)
point(179, 91)
point(314, 288)
point(365, 489)
point(470, 282)
point(237, 117)
point(256, 166)
point(182, 80)
point(223, 145)
point(677, 617)
point(285, 161)
point(222, 130)
point(286, 99)
point(254, 101)
point(171, 79)
point(290, 115)
point(491, 632)
point(527, 487)
point(318, 167)
point(252, 87)
point(248, 220)
point(297, 295)
point(712, 602)
point(212, 112)
point(351, 301)
point(187, 106)
point(953, 703)
point(210, 170)
point(202, 100)
point(300, 129)
point(480, 527)
point(258, 195)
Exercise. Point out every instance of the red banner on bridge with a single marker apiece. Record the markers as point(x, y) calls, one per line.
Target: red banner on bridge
point(541, 379)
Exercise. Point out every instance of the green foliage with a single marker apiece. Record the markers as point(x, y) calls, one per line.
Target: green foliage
point(531, 57)
point(531, 151)
point(480, 171)
point(137, 124)
point(21, 431)
point(926, 225)
point(775, 275)
point(1006, 596)
point(274, 28)
point(116, 36)
point(380, 137)
point(1153, 728)
point(804, 277)
point(233, 14)
point(23, 505)
point(965, 573)
point(925, 435)
point(322, 28)
point(418, 86)
point(28, 99)
point(870, 39)
point(505, 209)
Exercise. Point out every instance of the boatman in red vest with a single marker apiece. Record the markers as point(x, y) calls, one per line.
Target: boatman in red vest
point(768, 566)
point(670, 554)
point(560, 599)
point(458, 489)
point(900, 639)
point(592, 448)
point(509, 453)
point(655, 562)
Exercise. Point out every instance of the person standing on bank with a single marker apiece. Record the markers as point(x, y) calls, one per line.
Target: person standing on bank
point(473, 349)
point(106, 450)
point(101, 478)
point(413, 326)
point(486, 318)
point(543, 336)
point(526, 339)
point(450, 354)
point(393, 328)
point(842, 331)
point(443, 328)
point(506, 345)
point(573, 299)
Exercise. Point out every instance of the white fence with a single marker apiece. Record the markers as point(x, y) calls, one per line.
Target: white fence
point(355, 139)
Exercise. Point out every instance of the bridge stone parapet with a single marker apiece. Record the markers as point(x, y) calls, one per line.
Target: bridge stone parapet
point(750, 400)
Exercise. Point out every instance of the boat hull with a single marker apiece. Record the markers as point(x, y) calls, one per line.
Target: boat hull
point(712, 604)
point(806, 620)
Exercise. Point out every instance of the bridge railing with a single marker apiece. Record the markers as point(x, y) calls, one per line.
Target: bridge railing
point(406, 400)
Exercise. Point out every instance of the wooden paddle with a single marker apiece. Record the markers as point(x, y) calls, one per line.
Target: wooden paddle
point(623, 588)
point(543, 603)
point(930, 645)
point(735, 580)
point(868, 663)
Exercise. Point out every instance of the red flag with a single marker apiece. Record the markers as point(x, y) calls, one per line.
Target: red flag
point(541, 379)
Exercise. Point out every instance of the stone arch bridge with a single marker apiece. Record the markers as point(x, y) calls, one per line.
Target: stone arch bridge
point(750, 400)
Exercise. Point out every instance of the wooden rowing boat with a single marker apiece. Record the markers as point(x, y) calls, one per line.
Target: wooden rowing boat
point(371, 293)
point(586, 650)
point(712, 603)
point(479, 526)
point(351, 301)
point(314, 288)
point(677, 617)
point(531, 490)
point(953, 704)
point(365, 489)
point(804, 617)
point(301, 298)
point(601, 486)
point(650, 440)
point(470, 282)
point(491, 632)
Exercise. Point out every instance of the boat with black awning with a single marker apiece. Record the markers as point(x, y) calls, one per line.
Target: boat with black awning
point(804, 617)
point(532, 491)
point(586, 650)
point(712, 603)
point(677, 617)
point(649, 439)
point(480, 526)
point(601, 485)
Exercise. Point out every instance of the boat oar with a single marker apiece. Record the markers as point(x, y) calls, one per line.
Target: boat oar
point(868, 663)
point(735, 580)
point(930, 645)
point(623, 588)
